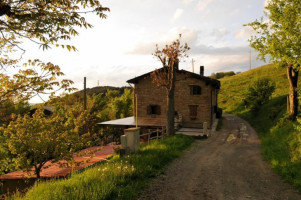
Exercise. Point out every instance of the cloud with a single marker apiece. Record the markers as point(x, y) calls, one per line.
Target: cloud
point(244, 33)
point(178, 13)
point(211, 50)
point(186, 2)
point(203, 4)
point(189, 36)
point(219, 33)
point(234, 12)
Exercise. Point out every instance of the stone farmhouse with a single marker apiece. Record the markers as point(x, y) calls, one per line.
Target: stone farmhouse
point(195, 102)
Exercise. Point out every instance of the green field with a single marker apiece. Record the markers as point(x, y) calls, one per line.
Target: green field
point(281, 138)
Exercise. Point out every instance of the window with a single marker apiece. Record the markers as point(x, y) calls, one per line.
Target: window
point(195, 90)
point(193, 111)
point(153, 110)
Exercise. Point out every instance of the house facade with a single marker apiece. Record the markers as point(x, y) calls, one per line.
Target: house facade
point(195, 99)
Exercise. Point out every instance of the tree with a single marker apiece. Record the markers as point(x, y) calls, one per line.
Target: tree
point(34, 141)
point(166, 76)
point(259, 93)
point(279, 37)
point(45, 23)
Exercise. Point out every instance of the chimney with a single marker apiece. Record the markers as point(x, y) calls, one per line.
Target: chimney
point(202, 70)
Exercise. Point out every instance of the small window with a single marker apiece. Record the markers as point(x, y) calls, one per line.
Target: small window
point(193, 111)
point(195, 90)
point(153, 110)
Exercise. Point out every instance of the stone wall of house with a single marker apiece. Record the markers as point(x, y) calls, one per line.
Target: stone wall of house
point(149, 93)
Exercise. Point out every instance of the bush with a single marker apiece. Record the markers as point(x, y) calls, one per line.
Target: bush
point(259, 93)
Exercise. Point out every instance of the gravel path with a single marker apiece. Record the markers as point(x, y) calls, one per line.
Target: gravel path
point(226, 166)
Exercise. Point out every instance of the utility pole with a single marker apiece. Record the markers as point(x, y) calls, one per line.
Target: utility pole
point(192, 62)
point(85, 94)
point(98, 83)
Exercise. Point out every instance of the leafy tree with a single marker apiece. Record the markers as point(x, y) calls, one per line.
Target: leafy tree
point(279, 37)
point(166, 77)
point(259, 93)
point(45, 23)
point(34, 141)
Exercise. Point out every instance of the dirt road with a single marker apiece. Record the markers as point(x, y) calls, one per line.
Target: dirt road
point(226, 166)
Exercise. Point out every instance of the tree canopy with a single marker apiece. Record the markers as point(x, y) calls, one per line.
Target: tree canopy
point(278, 37)
point(45, 23)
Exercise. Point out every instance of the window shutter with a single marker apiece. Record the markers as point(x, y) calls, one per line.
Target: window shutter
point(199, 90)
point(149, 110)
point(158, 110)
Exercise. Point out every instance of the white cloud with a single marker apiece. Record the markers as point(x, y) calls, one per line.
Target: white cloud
point(219, 33)
point(186, 2)
point(234, 12)
point(178, 13)
point(244, 33)
point(203, 4)
point(189, 36)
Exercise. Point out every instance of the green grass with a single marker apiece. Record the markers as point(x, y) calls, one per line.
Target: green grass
point(281, 141)
point(119, 178)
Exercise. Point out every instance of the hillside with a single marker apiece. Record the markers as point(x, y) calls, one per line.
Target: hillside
point(280, 137)
point(234, 88)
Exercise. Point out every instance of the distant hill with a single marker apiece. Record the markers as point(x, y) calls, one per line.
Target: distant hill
point(102, 89)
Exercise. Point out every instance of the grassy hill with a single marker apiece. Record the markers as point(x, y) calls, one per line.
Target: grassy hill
point(280, 138)
point(234, 88)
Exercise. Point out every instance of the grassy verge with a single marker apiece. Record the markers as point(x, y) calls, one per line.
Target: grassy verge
point(280, 139)
point(120, 178)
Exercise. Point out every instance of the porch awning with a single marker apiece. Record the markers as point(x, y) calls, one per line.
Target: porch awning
point(131, 121)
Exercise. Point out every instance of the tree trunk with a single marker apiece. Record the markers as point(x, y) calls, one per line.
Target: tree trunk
point(292, 75)
point(38, 171)
point(170, 127)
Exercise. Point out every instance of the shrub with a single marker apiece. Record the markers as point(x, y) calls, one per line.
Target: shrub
point(259, 93)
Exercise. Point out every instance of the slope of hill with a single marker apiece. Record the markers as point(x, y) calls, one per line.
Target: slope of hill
point(234, 88)
point(280, 138)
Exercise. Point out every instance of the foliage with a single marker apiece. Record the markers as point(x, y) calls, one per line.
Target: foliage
point(279, 38)
point(166, 77)
point(72, 117)
point(30, 82)
point(45, 23)
point(219, 75)
point(120, 178)
point(34, 141)
point(259, 93)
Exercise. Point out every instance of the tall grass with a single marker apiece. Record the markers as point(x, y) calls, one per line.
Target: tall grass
point(120, 178)
point(281, 141)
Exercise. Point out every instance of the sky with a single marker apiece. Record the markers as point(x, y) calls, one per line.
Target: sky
point(120, 47)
